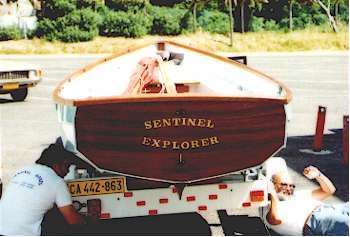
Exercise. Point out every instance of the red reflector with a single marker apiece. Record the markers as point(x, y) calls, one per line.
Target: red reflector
point(222, 186)
point(246, 204)
point(213, 197)
point(105, 215)
point(153, 212)
point(257, 193)
point(163, 200)
point(128, 194)
point(202, 208)
point(257, 196)
point(191, 198)
point(174, 190)
point(141, 203)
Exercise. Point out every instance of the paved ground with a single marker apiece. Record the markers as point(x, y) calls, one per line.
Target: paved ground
point(315, 79)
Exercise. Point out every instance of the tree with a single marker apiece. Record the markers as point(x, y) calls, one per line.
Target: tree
point(243, 12)
point(231, 21)
point(327, 10)
point(290, 3)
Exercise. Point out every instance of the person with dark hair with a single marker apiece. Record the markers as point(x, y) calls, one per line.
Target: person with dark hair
point(303, 212)
point(34, 190)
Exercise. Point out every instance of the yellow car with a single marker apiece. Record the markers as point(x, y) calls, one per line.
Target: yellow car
point(17, 77)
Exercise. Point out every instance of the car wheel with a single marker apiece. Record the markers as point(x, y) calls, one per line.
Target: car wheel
point(19, 95)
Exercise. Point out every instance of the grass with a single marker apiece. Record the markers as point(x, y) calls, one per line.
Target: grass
point(310, 39)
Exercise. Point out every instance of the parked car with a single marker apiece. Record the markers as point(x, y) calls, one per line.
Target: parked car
point(17, 77)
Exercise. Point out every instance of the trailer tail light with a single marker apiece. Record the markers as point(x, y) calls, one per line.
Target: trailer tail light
point(94, 208)
point(213, 196)
point(257, 196)
point(153, 212)
point(105, 216)
point(222, 186)
point(128, 194)
point(141, 203)
point(163, 200)
point(191, 198)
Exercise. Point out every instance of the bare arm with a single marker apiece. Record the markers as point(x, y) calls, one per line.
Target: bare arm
point(71, 215)
point(326, 188)
point(272, 216)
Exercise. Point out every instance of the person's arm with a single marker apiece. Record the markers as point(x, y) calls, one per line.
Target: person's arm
point(71, 215)
point(326, 188)
point(65, 206)
point(272, 216)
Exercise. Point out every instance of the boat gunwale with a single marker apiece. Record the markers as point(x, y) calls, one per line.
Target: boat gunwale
point(165, 97)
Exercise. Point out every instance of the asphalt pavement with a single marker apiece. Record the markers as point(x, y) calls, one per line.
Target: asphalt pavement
point(315, 79)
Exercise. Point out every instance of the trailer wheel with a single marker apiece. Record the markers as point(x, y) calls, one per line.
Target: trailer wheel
point(19, 95)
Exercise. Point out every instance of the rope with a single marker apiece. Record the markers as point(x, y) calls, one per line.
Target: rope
point(145, 74)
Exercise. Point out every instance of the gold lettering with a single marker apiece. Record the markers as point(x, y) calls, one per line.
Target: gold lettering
point(157, 123)
point(146, 141)
point(191, 122)
point(201, 122)
point(166, 144)
point(195, 144)
point(166, 122)
point(185, 145)
point(72, 188)
point(205, 141)
point(210, 125)
point(183, 121)
point(156, 142)
point(214, 140)
point(176, 121)
point(148, 124)
point(176, 146)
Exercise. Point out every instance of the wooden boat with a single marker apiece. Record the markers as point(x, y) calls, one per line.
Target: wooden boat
point(204, 116)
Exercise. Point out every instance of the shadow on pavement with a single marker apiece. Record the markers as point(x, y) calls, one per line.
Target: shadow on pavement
point(179, 225)
point(330, 164)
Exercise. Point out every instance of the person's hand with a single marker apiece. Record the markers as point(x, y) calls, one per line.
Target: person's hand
point(311, 172)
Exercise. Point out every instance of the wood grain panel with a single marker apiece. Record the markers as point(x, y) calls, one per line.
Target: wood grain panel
point(247, 133)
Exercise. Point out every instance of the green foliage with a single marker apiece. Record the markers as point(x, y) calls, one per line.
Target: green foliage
point(93, 4)
point(166, 21)
point(53, 9)
point(125, 5)
point(186, 23)
point(214, 22)
point(343, 14)
point(75, 34)
point(81, 20)
point(10, 33)
point(78, 25)
point(46, 29)
point(127, 24)
point(258, 24)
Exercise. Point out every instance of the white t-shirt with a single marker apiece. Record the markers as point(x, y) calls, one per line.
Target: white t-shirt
point(293, 213)
point(32, 191)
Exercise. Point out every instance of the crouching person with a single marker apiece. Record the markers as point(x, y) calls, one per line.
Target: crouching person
point(303, 212)
point(33, 191)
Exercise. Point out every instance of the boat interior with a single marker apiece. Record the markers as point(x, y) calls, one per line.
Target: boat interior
point(167, 68)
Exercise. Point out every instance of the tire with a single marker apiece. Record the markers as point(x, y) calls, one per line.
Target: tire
point(19, 95)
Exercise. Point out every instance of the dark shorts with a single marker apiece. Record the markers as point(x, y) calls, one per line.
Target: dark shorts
point(329, 220)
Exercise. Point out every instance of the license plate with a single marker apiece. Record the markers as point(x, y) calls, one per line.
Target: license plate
point(97, 186)
point(10, 86)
